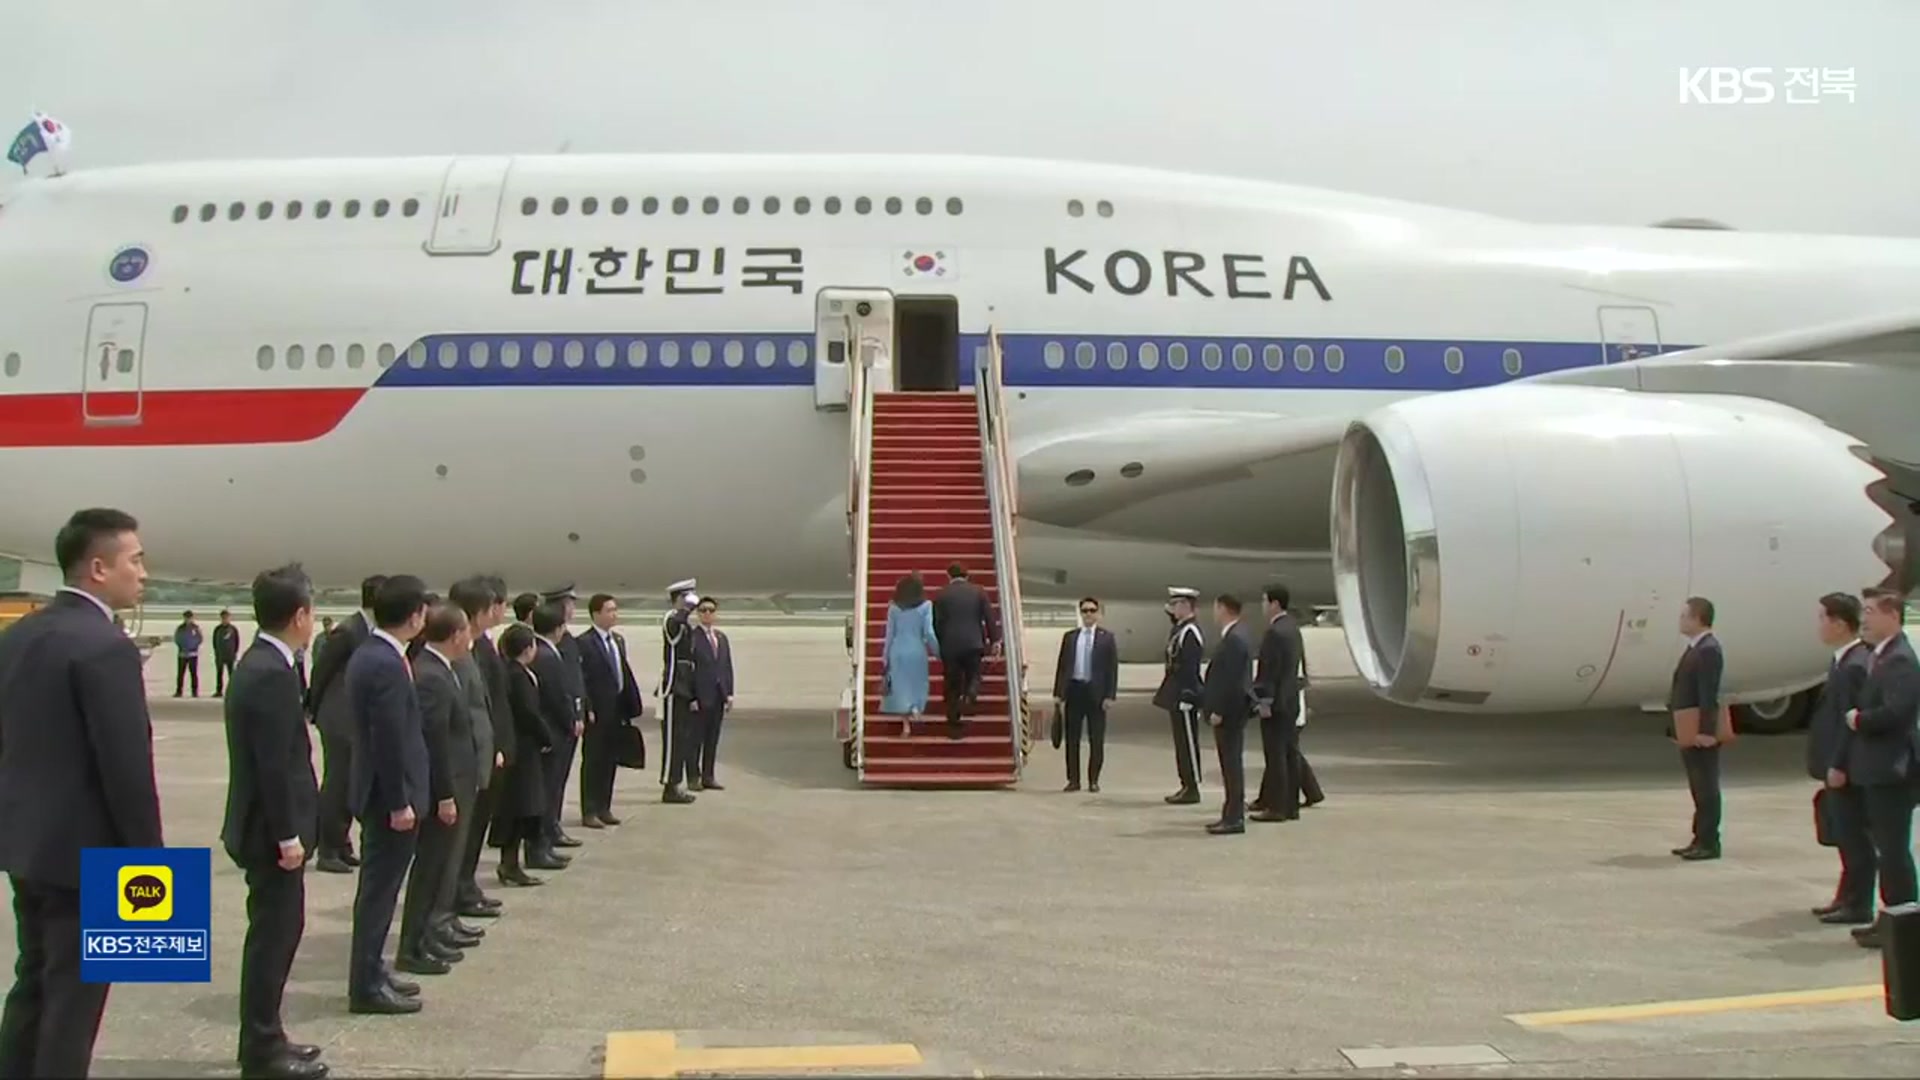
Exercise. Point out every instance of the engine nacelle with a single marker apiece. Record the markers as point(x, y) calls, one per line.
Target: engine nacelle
point(1529, 547)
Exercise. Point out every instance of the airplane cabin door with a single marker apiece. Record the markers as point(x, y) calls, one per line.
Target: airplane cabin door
point(851, 326)
point(467, 220)
point(1627, 333)
point(111, 380)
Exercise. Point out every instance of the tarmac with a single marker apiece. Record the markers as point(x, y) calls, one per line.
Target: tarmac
point(1478, 896)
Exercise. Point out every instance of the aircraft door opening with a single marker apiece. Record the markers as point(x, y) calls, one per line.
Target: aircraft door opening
point(1627, 333)
point(927, 355)
point(851, 326)
point(112, 372)
point(467, 220)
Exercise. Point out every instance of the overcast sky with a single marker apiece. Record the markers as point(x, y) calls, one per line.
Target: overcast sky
point(1559, 110)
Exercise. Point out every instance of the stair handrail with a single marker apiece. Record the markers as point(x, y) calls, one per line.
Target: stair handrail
point(990, 406)
point(859, 494)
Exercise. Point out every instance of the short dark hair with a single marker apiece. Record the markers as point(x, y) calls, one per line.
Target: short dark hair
point(547, 618)
point(1840, 607)
point(186, 615)
point(1229, 601)
point(83, 534)
point(225, 613)
point(598, 601)
point(397, 600)
point(1279, 594)
point(1702, 609)
point(370, 588)
point(499, 586)
point(1887, 601)
point(1085, 600)
point(908, 592)
point(516, 640)
point(955, 570)
point(443, 622)
point(472, 595)
point(279, 595)
point(524, 604)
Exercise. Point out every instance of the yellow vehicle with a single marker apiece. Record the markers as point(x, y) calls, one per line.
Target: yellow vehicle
point(14, 605)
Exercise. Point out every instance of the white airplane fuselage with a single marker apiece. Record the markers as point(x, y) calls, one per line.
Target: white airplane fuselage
point(466, 373)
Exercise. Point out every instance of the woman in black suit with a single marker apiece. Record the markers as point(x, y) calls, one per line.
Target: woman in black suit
point(523, 803)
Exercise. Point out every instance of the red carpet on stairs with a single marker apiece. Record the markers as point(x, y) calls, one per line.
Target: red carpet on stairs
point(929, 508)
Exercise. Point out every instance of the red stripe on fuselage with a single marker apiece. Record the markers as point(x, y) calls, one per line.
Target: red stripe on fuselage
point(173, 417)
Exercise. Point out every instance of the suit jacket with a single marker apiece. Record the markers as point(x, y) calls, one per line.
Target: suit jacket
point(493, 668)
point(963, 619)
point(1103, 666)
point(271, 791)
point(391, 770)
point(226, 641)
point(531, 728)
point(575, 673)
point(479, 702)
point(712, 665)
point(1277, 681)
point(448, 727)
point(330, 709)
point(76, 745)
point(1827, 728)
point(557, 704)
point(612, 695)
point(1182, 682)
point(1881, 748)
point(1228, 689)
point(1694, 700)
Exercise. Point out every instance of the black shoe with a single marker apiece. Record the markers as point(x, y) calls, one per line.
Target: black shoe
point(435, 949)
point(284, 1066)
point(1872, 928)
point(1308, 804)
point(1256, 807)
point(1227, 828)
point(1682, 851)
point(403, 987)
point(1868, 937)
point(1184, 797)
point(546, 860)
point(563, 840)
point(957, 731)
point(516, 878)
point(350, 858)
point(1847, 917)
point(1094, 788)
point(332, 864)
point(1828, 908)
point(1271, 815)
point(303, 1051)
point(489, 910)
point(1700, 854)
point(591, 821)
point(384, 1002)
point(711, 786)
point(676, 797)
point(448, 941)
point(422, 965)
point(1072, 785)
point(696, 784)
point(454, 924)
point(609, 819)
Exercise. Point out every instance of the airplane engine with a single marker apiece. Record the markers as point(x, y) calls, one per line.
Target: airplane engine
point(1529, 547)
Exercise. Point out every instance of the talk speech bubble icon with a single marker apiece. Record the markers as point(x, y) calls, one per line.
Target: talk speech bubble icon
point(146, 893)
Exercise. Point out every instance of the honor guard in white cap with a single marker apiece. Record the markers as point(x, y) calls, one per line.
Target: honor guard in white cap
point(1179, 692)
point(560, 761)
point(676, 691)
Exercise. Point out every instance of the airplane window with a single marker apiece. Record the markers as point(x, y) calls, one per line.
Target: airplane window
point(702, 353)
point(1335, 356)
point(1210, 356)
point(680, 204)
point(833, 204)
point(356, 356)
point(1455, 359)
point(1116, 355)
point(380, 207)
point(264, 358)
point(770, 205)
point(605, 353)
point(417, 355)
point(509, 354)
point(206, 211)
point(384, 357)
point(1054, 355)
point(734, 353)
point(543, 353)
point(1273, 357)
point(1083, 355)
point(560, 205)
point(589, 205)
point(179, 214)
point(797, 354)
point(1243, 357)
point(619, 205)
point(710, 205)
point(1149, 356)
point(410, 208)
point(449, 354)
point(765, 353)
point(1511, 361)
point(293, 209)
point(1105, 208)
point(1396, 359)
point(529, 206)
point(893, 204)
point(124, 361)
point(923, 205)
point(263, 211)
point(649, 205)
point(636, 353)
point(322, 208)
point(478, 354)
point(296, 358)
point(575, 353)
point(802, 205)
point(323, 357)
point(742, 204)
point(863, 205)
point(13, 364)
point(1074, 208)
point(669, 354)
point(1177, 356)
point(954, 207)
point(351, 208)
point(236, 211)
point(1303, 357)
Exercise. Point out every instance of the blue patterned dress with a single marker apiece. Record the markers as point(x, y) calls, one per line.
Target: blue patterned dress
point(908, 645)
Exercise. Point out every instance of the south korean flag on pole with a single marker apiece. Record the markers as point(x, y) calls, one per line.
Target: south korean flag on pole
point(42, 135)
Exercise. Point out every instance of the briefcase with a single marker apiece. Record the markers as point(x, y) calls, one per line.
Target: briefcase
point(1825, 829)
point(629, 747)
point(1057, 728)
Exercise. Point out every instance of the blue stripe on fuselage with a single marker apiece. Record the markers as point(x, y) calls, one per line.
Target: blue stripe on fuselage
point(1032, 360)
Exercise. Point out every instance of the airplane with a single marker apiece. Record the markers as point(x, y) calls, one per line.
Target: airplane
point(628, 369)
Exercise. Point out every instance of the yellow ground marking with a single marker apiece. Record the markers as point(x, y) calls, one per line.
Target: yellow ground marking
point(632, 1055)
point(1700, 1006)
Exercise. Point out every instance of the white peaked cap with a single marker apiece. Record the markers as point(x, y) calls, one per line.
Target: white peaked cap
point(1177, 593)
point(682, 586)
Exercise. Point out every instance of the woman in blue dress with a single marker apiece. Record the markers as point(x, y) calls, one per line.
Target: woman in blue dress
point(909, 642)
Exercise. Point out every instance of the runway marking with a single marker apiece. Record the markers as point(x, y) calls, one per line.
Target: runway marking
point(1832, 995)
point(632, 1055)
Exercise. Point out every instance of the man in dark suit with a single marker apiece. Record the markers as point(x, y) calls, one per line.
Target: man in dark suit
point(76, 771)
point(430, 939)
point(226, 651)
point(562, 711)
point(391, 790)
point(1882, 753)
point(1842, 808)
point(485, 608)
point(712, 694)
point(613, 702)
point(327, 702)
point(964, 624)
point(1701, 724)
point(1227, 697)
point(1086, 679)
point(1179, 692)
point(1277, 689)
point(560, 762)
point(272, 803)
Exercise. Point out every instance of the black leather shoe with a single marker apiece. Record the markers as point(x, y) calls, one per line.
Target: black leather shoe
point(563, 840)
point(1847, 917)
point(1072, 785)
point(516, 877)
point(592, 821)
point(696, 784)
point(1271, 815)
point(435, 949)
point(422, 965)
point(1700, 854)
point(1828, 908)
point(1682, 851)
point(546, 860)
point(1094, 788)
point(490, 910)
point(447, 941)
point(332, 864)
point(711, 786)
point(403, 987)
point(1183, 797)
point(284, 1067)
point(676, 797)
point(1227, 828)
point(303, 1051)
point(350, 858)
point(464, 930)
point(1256, 807)
point(384, 1002)
point(609, 819)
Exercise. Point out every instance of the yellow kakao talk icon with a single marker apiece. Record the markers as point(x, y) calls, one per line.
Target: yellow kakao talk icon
point(146, 893)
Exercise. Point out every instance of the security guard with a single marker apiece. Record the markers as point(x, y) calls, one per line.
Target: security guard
point(676, 692)
point(1179, 691)
point(560, 763)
